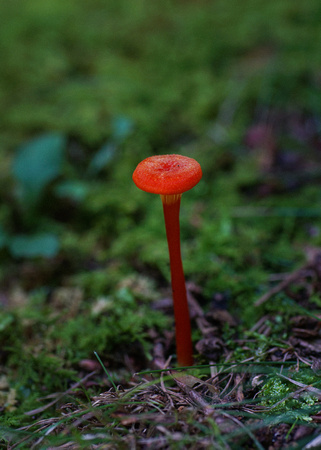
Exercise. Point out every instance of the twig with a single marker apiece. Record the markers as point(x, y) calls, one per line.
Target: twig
point(283, 284)
point(60, 396)
point(303, 386)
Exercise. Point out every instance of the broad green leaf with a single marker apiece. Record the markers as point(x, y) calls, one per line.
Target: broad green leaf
point(37, 163)
point(29, 246)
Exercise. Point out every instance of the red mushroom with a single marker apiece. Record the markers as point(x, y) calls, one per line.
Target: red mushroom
point(170, 176)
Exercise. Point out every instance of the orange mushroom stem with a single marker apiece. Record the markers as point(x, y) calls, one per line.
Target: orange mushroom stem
point(170, 176)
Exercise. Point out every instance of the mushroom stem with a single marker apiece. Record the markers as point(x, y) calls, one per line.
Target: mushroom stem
point(184, 348)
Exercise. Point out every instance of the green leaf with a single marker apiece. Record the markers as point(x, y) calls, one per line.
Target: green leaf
point(6, 321)
point(121, 128)
point(103, 157)
point(74, 190)
point(37, 163)
point(30, 246)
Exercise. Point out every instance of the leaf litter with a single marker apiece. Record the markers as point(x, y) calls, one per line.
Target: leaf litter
point(222, 405)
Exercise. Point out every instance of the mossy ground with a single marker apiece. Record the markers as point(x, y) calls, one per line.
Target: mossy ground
point(235, 85)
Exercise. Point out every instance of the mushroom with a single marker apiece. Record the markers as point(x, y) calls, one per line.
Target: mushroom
point(170, 176)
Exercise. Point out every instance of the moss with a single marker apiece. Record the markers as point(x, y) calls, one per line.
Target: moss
point(279, 395)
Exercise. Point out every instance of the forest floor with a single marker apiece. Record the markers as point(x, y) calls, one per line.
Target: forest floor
point(87, 341)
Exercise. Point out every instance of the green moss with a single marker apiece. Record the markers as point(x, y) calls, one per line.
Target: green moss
point(113, 324)
point(282, 396)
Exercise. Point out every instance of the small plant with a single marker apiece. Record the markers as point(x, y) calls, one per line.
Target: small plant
point(36, 164)
point(40, 177)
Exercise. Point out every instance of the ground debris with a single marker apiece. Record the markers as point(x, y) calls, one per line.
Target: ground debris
point(309, 274)
point(158, 412)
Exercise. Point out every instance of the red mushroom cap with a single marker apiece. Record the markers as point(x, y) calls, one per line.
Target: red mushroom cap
point(167, 174)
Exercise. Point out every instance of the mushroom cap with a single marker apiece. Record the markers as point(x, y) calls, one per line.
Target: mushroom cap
point(167, 174)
